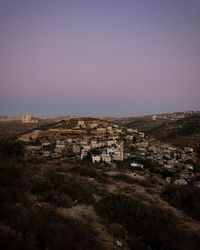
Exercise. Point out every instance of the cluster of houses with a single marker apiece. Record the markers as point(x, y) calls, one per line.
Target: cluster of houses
point(165, 155)
point(168, 158)
point(99, 139)
point(172, 116)
point(100, 149)
point(108, 154)
point(102, 141)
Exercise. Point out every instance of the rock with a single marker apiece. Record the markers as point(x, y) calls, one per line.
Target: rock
point(118, 243)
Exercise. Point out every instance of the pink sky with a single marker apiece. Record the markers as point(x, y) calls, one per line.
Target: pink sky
point(70, 52)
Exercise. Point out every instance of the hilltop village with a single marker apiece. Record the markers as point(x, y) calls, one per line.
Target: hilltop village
point(103, 142)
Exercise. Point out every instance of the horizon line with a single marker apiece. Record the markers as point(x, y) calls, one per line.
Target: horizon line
point(43, 116)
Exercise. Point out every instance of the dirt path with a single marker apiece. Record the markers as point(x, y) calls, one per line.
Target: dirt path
point(88, 213)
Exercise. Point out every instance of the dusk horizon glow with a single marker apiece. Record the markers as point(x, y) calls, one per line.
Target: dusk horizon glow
point(99, 57)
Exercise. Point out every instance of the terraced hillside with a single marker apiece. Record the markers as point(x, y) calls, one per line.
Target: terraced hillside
point(180, 132)
point(183, 132)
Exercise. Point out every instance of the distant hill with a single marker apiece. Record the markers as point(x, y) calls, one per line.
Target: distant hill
point(181, 129)
point(15, 128)
point(182, 132)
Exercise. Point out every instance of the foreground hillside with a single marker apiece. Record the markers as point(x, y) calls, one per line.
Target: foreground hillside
point(61, 204)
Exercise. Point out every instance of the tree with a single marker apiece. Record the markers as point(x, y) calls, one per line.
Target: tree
point(11, 147)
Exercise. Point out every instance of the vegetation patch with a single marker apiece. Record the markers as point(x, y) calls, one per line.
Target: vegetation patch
point(10, 147)
point(130, 180)
point(186, 198)
point(148, 227)
point(40, 227)
point(91, 172)
point(66, 190)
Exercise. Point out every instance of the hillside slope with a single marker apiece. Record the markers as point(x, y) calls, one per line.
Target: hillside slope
point(183, 132)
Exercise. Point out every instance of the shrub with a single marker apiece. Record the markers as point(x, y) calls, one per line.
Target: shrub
point(11, 172)
point(78, 189)
point(9, 240)
point(118, 231)
point(167, 172)
point(64, 189)
point(12, 181)
point(151, 226)
point(75, 234)
point(9, 194)
point(41, 186)
point(151, 165)
point(91, 172)
point(186, 198)
point(41, 227)
point(11, 147)
point(62, 200)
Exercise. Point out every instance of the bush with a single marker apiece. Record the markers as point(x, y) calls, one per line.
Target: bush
point(66, 189)
point(41, 186)
point(91, 172)
point(151, 227)
point(41, 227)
point(73, 234)
point(186, 198)
point(152, 166)
point(118, 231)
point(9, 194)
point(11, 172)
point(62, 200)
point(79, 189)
point(11, 147)
point(167, 172)
point(12, 181)
point(9, 240)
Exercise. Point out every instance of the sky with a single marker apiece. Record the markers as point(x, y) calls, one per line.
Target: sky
point(99, 57)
